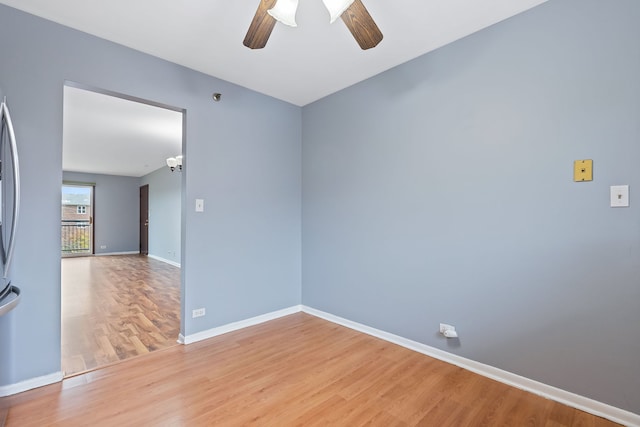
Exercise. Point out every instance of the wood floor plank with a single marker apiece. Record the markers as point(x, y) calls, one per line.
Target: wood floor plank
point(298, 370)
point(4, 410)
point(115, 308)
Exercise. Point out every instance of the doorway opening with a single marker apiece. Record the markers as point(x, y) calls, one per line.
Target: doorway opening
point(121, 288)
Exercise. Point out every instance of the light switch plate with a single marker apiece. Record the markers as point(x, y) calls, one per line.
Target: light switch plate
point(583, 170)
point(619, 196)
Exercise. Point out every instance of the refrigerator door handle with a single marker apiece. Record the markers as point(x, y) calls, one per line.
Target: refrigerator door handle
point(9, 301)
point(4, 113)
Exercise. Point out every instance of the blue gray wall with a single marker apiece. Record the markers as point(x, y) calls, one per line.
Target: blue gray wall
point(115, 211)
point(438, 191)
point(241, 257)
point(441, 191)
point(165, 202)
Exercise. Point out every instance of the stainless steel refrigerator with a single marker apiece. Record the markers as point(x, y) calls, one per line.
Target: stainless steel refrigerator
point(10, 202)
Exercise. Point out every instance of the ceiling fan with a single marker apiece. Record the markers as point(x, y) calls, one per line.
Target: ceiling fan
point(353, 13)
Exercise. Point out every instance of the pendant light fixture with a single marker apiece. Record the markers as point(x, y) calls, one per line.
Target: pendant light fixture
point(175, 162)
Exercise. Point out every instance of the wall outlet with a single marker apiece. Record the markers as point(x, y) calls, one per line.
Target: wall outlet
point(448, 331)
point(619, 196)
point(198, 312)
point(444, 327)
point(103, 246)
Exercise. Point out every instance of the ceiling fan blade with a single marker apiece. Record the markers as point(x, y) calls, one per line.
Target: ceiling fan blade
point(362, 25)
point(261, 26)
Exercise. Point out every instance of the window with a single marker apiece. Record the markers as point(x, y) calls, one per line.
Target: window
point(81, 210)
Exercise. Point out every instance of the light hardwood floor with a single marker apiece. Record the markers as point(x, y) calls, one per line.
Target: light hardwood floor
point(298, 370)
point(115, 308)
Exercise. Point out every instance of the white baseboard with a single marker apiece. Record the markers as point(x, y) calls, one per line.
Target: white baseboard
point(230, 327)
point(157, 258)
point(570, 399)
point(582, 403)
point(31, 383)
point(118, 253)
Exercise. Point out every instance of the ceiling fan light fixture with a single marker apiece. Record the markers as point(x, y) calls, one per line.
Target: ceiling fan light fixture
point(337, 7)
point(285, 11)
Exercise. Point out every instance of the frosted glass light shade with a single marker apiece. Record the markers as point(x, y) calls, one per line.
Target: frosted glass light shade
point(285, 12)
point(172, 162)
point(337, 7)
point(179, 160)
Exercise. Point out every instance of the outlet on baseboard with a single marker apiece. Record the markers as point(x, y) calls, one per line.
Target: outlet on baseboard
point(198, 312)
point(103, 246)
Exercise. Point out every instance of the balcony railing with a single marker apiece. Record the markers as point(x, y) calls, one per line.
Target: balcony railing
point(76, 237)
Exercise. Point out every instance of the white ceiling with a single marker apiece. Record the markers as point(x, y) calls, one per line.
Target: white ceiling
point(103, 134)
point(298, 65)
point(114, 136)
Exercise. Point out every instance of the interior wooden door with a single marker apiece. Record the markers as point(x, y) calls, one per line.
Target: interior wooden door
point(144, 220)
